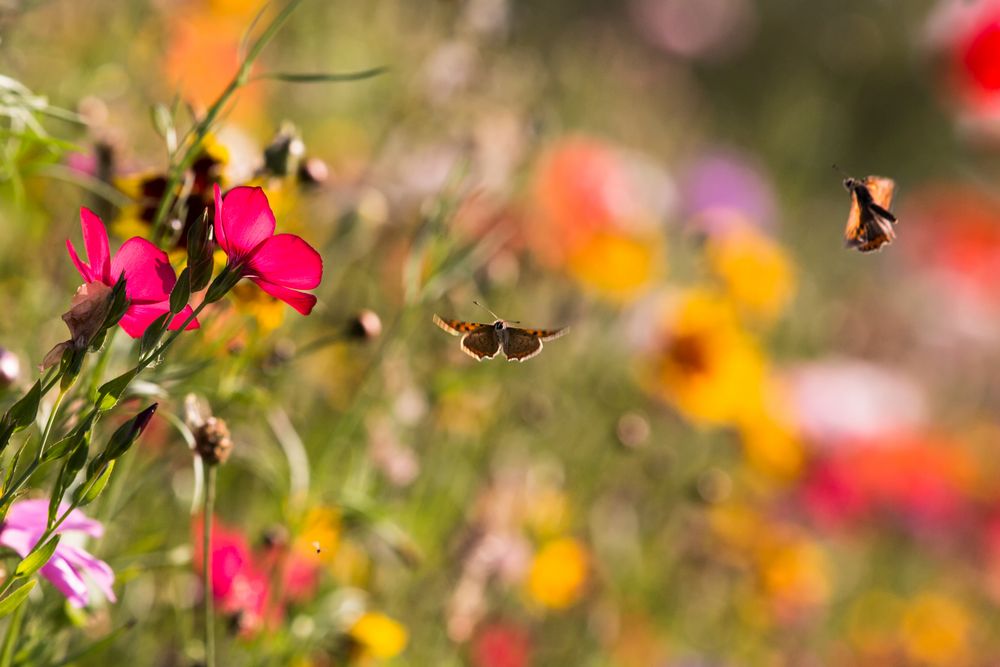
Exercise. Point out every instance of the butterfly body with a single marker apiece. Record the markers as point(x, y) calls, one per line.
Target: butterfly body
point(482, 340)
point(869, 223)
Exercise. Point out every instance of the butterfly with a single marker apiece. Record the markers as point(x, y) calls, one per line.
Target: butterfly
point(483, 341)
point(869, 224)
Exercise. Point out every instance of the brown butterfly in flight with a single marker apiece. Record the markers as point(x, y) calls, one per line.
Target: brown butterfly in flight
point(483, 341)
point(869, 223)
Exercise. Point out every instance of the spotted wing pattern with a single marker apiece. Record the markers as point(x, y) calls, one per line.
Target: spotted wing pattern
point(869, 225)
point(481, 343)
point(457, 327)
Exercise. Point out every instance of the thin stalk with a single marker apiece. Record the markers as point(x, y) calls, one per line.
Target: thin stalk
point(200, 129)
point(50, 421)
point(102, 364)
point(206, 574)
point(10, 638)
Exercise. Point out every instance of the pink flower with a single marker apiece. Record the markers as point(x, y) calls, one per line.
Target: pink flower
point(148, 275)
point(239, 584)
point(24, 525)
point(280, 264)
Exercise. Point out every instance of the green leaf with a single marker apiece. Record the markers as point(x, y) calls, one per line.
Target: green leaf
point(16, 597)
point(36, 559)
point(61, 448)
point(324, 77)
point(181, 293)
point(13, 466)
point(88, 492)
point(163, 120)
point(152, 336)
point(111, 391)
point(22, 413)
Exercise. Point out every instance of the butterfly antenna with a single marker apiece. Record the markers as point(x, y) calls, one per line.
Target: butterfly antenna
point(840, 171)
point(495, 316)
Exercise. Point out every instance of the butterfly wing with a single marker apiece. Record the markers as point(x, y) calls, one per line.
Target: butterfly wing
point(481, 343)
point(457, 327)
point(521, 344)
point(869, 223)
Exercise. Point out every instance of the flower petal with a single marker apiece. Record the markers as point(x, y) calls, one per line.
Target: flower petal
point(180, 318)
point(298, 300)
point(285, 259)
point(82, 267)
point(65, 578)
point(95, 240)
point(29, 515)
point(147, 270)
point(243, 218)
point(139, 316)
point(94, 568)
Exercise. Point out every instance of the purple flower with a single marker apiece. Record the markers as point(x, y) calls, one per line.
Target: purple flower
point(25, 524)
point(724, 188)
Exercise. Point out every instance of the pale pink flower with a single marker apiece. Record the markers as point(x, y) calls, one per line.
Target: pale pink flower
point(280, 264)
point(149, 278)
point(25, 524)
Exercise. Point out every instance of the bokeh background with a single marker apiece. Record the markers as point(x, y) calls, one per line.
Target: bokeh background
point(755, 447)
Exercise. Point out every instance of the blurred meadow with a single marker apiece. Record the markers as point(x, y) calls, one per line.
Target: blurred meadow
point(754, 446)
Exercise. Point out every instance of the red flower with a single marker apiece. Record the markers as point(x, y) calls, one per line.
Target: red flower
point(149, 278)
point(280, 264)
point(239, 584)
point(502, 645)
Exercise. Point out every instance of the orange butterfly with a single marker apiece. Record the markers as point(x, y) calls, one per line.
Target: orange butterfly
point(483, 341)
point(869, 224)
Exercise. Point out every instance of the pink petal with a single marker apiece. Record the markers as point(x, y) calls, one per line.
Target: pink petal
point(220, 231)
point(242, 220)
point(84, 270)
point(95, 568)
point(139, 316)
point(65, 578)
point(299, 301)
point(286, 260)
point(181, 317)
point(95, 240)
point(30, 515)
point(149, 276)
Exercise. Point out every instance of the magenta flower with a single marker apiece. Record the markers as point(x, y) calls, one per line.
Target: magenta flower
point(25, 523)
point(280, 264)
point(148, 275)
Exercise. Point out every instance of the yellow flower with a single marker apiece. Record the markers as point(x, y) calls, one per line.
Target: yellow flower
point(615, 264)
point(707, 366)
point(379, 635)
point(147, 190)
point(253, 301)
point(755, 271)
point(770, 442)
point(319, 535)
point(936, 630)
point(558, 573)
point(795, 572)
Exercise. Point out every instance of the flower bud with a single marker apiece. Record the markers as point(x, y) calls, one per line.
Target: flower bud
point(365, 325)
point(10, 368)
point(128, 433)
point(212, 442)
point(313, 171)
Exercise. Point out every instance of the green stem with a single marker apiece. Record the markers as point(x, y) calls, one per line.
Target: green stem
point(50, 421)
point(190, 153)
point(10, 638)
point(101, 366)
point(206, 574)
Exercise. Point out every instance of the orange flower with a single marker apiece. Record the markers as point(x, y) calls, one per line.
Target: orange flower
point(558, 573)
